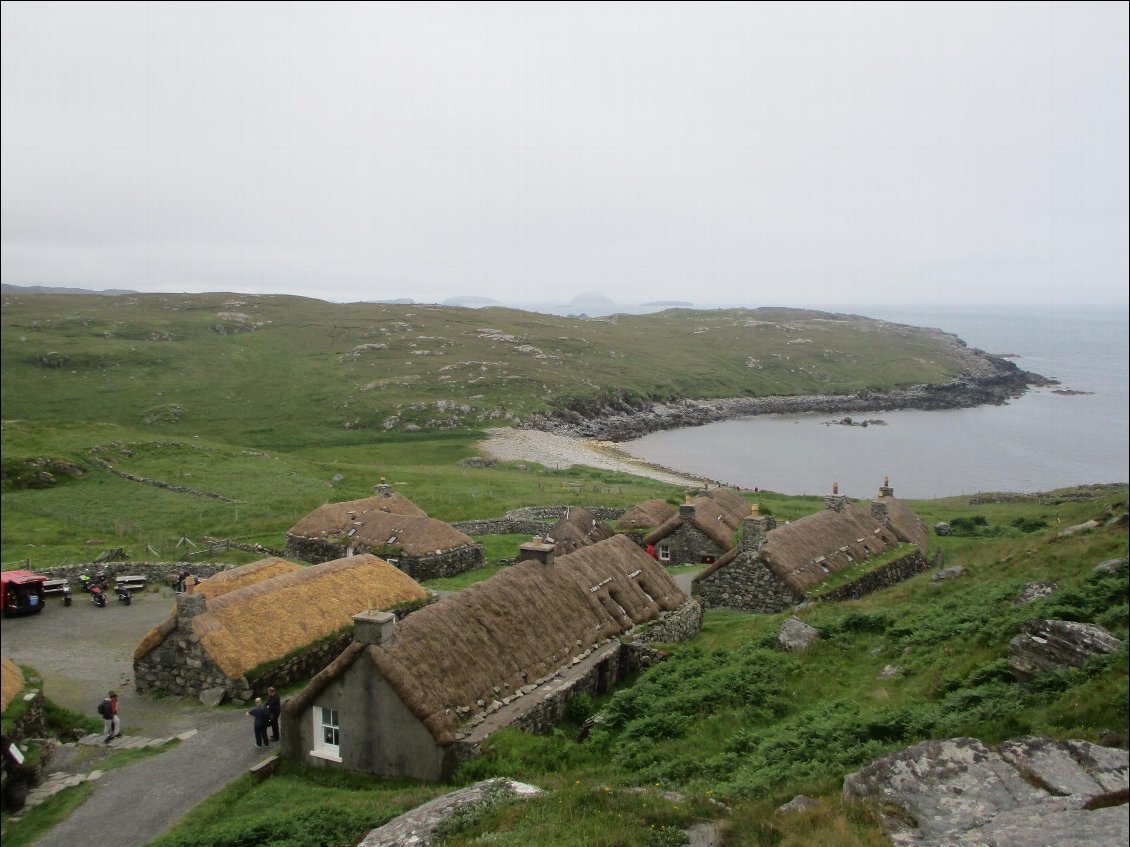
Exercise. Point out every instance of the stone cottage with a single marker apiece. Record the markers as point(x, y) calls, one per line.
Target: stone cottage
point(387, 525)
point(414, 698)
point(268, 623)
point(703, 529)
point(776, 567)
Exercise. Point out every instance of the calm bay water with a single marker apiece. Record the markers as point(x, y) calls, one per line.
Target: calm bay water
point(1035, 443)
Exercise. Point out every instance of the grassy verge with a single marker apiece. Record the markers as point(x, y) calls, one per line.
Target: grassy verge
point(31, 827)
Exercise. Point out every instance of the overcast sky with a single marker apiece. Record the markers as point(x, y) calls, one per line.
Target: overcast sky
point(755, 153)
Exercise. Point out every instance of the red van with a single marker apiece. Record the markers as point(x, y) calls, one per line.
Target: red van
point(21, 592)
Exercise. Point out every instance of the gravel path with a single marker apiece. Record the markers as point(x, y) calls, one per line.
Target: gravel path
point(561, 451)
point(82, 652)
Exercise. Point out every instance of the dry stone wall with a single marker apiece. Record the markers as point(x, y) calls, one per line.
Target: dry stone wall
point(688, 545)
point(748, 584)
point(429, 566)
point(880, 578)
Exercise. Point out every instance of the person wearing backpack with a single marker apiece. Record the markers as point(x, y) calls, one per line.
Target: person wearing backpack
point(108, 709)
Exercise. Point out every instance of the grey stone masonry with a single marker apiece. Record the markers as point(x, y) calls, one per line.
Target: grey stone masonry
point(889, 574)
point(679, 624)
point(448, 562)
point(754, 529)
point(746, 583)
point(687, 545)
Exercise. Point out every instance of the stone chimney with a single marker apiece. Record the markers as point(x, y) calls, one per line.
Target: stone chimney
point(537, 550)
point(686, 511)
point(886, 490)
point(382, 489)
point(754, 527)
point(881, 509)
point(372, 627)
point(835, 501)
point(189, 606)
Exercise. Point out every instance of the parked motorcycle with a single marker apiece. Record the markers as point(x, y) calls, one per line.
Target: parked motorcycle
point(66, 595)
point(97, 596)
point(124, 594)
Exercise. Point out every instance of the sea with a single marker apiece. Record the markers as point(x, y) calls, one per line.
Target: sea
point(1038, 442)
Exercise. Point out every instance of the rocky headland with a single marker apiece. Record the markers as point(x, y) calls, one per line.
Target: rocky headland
point(987, 379)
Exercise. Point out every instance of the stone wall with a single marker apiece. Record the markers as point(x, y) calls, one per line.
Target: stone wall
point(681, 624)
point(747, 584)
point(429, 566)
point(32, 720)
point(161, 573)
point(688, 545)
point(530, 520)
point(890, 574)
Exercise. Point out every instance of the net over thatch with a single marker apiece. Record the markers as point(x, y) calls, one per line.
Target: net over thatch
point(11, 682)
point(577, 528)
point(804, 552)
point(335, 519)
point(519, 626)
point(412, 534)
point(650, 513)
point(906, 524)
point(219, 584)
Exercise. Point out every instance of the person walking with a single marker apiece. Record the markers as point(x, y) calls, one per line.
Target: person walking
point(260, 714)
point(274, 709)
point(111, 723)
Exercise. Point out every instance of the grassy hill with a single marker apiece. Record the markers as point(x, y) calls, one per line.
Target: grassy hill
point(285, 372)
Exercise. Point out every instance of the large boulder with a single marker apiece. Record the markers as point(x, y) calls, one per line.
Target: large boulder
point(1029, 791)
point(796, 636)
point(418, 827)
point(1045, 645)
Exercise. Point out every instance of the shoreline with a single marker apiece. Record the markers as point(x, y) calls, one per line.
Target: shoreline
point(561, 450)
point(989, 380)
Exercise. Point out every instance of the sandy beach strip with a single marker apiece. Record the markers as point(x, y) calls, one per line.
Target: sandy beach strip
point(561, 451)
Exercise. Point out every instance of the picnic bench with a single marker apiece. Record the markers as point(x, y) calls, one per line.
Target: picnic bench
point(132, 582)
point(56, 586)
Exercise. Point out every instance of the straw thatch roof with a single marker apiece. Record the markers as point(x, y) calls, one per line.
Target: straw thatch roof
point(513, 629)
point(650, 513)
point(334, 519)
point(268, 620)
point(219, 584)
point(11, 682)
point(906, 524)
point(804, 552)
point(717, 514)
point(412, 534)
point(577, 528)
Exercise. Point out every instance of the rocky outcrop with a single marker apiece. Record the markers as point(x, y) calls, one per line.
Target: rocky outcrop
point(988, 379)
point(1034, 591)
point(418, 827)
point(796, 636)
point(1045, 645)
point(1025, 793)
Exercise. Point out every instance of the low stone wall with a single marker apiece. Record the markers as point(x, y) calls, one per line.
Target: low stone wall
point(890, 574)
point(503, 526)
point(681, 624)
point(746, 584)
point(447, 563)
point(32, 722)
point(302, 666)
point(162, 573)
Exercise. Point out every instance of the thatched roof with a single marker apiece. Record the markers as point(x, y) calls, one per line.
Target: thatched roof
point(515, 628)
point(258, 623)
point(11, 682)
point(335, 519)
point(648, 514)
point(217, 585)
point(804, 552)
point(414, 535)
point(906, 524)
point(717, 514)
point(577, 528)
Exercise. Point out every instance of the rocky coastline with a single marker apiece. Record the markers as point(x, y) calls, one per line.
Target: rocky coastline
point(988, 380)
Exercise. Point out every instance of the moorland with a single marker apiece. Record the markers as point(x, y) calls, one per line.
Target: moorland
point(281, 404)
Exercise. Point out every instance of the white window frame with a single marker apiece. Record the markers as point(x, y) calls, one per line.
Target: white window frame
point(664, 552)
point(326, 718)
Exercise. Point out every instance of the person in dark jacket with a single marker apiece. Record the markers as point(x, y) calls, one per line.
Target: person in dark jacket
point(261, 716)
point(274, 709)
